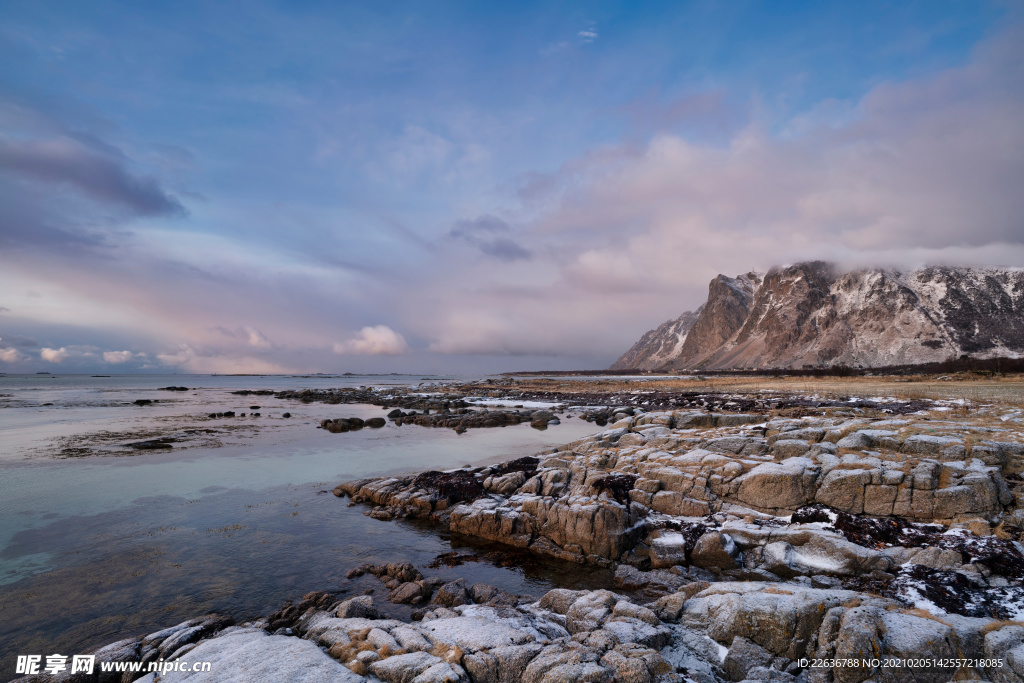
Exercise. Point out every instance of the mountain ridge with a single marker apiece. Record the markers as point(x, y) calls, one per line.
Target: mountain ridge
point(814, 314)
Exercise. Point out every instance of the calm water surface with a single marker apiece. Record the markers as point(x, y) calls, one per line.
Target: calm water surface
point(237, 517)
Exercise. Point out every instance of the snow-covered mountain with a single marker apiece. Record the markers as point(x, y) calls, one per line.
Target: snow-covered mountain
point(659, 346)
point(813, 314)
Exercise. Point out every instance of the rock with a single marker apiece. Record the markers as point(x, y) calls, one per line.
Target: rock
point(938, 558)
point(844, 489)
point(589, 611)
point(714, 549)
point(253, 655)
point(669, 607)
point(381, 640)
point(403, 668)
point(358, 607)
point(624, 608)
point(376, 422)
point(743, 656)
point(501, 664)
point(790, 448)
point(154, 444)
point(927, 444)
point(759, 674)
point(409, 593)
point(484, 594)
point(401, 571)
point(782, 487)
point(443, 672)
point(783, 620)
point(335, 426)
point(559, 600)
point(473, 633)
point(1006, 643)
point(411, 639)
point(452, 594)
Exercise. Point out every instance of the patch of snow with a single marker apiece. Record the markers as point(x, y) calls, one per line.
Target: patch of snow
point(508, 403)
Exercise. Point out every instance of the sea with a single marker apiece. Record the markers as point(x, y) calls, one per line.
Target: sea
point(100, 541)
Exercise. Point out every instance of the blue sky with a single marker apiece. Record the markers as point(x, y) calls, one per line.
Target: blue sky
point(326, 186)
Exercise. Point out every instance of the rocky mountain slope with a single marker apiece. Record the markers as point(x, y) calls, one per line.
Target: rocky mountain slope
point(814, 314)
point(661, 345)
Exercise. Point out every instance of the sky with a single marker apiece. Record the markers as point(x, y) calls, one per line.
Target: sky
point(469, 187)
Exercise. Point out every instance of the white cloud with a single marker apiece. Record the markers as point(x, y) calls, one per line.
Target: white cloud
point(116, 357)
point(257, 339)
point(10, 355)
point(64, 353)
point(588, 35)
point(920, 171)
point(54, 355)
point(213, 361)
point(379, 340)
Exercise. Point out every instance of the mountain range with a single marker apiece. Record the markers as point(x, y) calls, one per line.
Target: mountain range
point(815, 314)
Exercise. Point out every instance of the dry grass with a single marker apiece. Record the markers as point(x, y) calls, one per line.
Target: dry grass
point(998, 624)
point(924, 614)
point(450, 653)
point(975, 389)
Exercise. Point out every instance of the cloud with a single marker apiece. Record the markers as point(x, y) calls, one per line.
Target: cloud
point(256, 338)
point(490, 235)
point(579, 262)
point(97, 170)
point(248, 335)
point(8, 355)
point(924, 164)
point(918, 171)
point(379, 340)
point(77, 353)
point(118, 357)
point(54, 355)
point(587, 35)
point(204, 361)
point(20, 342)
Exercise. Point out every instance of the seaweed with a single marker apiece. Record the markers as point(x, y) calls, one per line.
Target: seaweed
point(997, 555)
point(618, 486)
point(691, 531)
point(459, 486)
point(527, 465)
point(957, 594)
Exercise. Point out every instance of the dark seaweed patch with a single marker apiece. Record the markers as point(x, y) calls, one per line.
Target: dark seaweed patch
point(452, 559)
point(999, 556)
point(618, 486)
point(955, 593)
point(459, 486)
point(810, 514)
point(527, 465)
point(691, 531)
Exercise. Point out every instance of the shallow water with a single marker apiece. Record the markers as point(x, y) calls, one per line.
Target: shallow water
point(109, 545)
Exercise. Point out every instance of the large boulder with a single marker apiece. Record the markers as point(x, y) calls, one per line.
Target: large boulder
point(779, 487)
point(253, 655)
point(781, 619)
point(714, 550)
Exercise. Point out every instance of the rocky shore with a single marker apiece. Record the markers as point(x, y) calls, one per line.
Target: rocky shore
point(836, 547)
